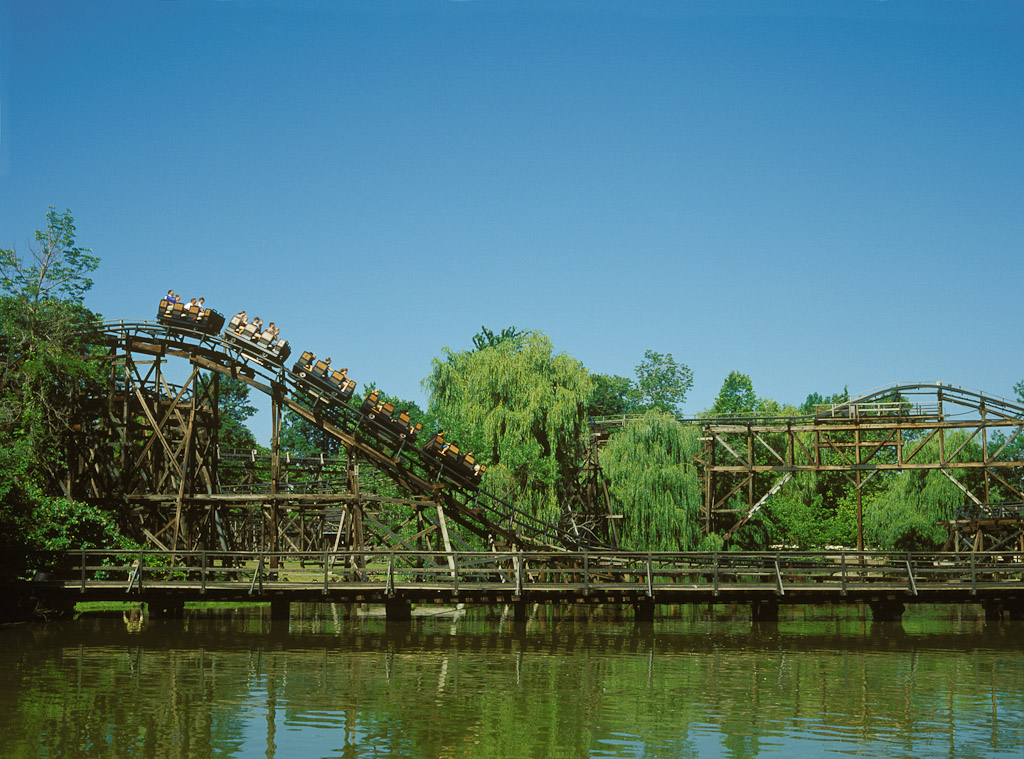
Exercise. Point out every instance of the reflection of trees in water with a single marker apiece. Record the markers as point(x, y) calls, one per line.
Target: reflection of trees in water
point(566, 686)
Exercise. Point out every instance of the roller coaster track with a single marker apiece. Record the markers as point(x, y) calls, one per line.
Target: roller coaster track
point(482, 513)
point(886, 400)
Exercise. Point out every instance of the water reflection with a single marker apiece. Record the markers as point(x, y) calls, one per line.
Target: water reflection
point(333, 681)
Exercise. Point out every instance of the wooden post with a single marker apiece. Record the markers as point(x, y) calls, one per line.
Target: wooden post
point(355, 512)
point(643, 611)
point(443, 528)
point(860, 505)
point(984, 452)
point(275, 477)
point(886, 610)
point(764, 610)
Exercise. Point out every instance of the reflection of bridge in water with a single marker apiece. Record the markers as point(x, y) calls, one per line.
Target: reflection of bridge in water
point(149, 449)
point(884, 581)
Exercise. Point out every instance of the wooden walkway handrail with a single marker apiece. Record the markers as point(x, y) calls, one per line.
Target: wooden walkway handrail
point(649, 573)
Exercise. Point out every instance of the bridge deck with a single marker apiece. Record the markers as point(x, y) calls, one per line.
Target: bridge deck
point(581, 577)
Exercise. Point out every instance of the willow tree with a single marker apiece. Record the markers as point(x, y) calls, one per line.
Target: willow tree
point(520, 408)
point(655, 486)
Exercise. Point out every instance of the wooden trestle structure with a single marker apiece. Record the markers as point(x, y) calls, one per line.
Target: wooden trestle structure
point(885, 430)
point(747, 460)
point(147, 447)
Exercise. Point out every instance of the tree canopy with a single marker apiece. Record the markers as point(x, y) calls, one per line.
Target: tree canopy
point(486, 338)
point(44, 345)
point(235, 411)
point(613, 396)
point(44, 342)
point(520, 408)
point(736, 397)
point(662, 382)
point(59, 269)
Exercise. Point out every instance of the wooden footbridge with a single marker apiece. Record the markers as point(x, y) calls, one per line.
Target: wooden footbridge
point(397, 579)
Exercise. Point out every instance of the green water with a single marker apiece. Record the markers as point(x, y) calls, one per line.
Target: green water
point(574, 683)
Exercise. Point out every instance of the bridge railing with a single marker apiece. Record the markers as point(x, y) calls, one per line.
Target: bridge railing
point(582, 572)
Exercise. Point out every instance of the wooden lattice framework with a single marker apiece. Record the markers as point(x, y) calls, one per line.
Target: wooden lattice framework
point(747, 460)
point(148, 449)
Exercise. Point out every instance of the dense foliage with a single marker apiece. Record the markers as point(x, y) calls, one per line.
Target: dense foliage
point(661, 383)
point(235, 410)
point(44, 331)
point(909, 514)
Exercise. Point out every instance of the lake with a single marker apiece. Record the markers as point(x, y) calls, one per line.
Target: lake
point(572, 682)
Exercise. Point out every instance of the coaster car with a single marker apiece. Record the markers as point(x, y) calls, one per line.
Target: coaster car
point(258, 345)
point(451, 463)
point(182, 316)
point(322, 378)
point(382, 418)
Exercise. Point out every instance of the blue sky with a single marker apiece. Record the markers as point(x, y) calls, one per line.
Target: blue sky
point(817, 194)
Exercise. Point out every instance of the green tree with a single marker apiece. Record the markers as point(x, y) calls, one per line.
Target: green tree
point(45, 334)
point(910, 513)
point(44, 342)
point(486, 338)
point(235, 411)
point(655, 485)
point(521, 409)
point(613, 396)
point(59, 269)
point(814, 400)
point(736, 397)
point(661, 382)
point(805, 515)
point(1014, 451)
point(303, 438)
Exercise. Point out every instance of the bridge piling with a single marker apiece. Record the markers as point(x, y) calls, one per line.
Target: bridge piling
point(997, 609)
point(764, 610)
point(519, 612)
point(643, 611)
point(397, 610)
point(886, 610)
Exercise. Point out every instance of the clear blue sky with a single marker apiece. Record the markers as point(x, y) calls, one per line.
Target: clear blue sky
point(817, 194)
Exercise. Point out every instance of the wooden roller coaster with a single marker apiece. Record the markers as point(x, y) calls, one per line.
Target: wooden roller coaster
point(147, 447)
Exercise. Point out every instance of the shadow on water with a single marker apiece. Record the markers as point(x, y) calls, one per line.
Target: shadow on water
point(343, 628)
